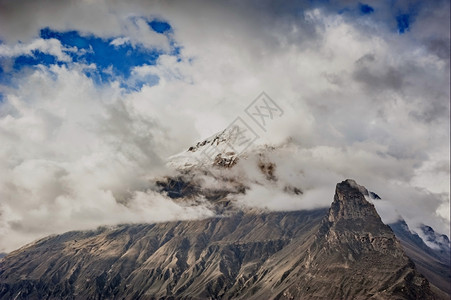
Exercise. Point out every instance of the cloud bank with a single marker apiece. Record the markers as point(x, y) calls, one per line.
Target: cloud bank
point(86, 125)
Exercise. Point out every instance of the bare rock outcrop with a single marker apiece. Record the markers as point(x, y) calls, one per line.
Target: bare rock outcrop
point(345, 252)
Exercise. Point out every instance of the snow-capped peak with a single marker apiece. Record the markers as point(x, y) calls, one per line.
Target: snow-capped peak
point(222, 148)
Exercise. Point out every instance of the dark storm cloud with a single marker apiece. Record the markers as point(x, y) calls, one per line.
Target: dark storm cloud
point(388, 78)
point(440, 47)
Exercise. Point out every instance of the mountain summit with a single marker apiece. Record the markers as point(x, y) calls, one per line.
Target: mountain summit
point(221, 149)
point(340, 253)
point(353, 246)
point(350, 204)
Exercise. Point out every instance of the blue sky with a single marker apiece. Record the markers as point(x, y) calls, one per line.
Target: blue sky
point(366, 9)
point(401, 19)
point(113, 62)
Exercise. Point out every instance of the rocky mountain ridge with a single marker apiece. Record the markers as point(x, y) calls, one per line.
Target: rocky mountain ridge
point(433, 263)
point(342, 252)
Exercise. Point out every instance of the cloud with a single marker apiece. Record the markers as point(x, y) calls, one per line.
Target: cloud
point(313, 173)
point(267, 198)
point(360, 101)
point(50, 46)
point(77, 156)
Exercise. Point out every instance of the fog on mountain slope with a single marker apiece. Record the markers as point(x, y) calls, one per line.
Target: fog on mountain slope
point(272, 174)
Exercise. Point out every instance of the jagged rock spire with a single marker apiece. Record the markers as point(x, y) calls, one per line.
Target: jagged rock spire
point(350, 203)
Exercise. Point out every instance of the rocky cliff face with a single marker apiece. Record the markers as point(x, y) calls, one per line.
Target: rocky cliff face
point(341, 253)
point(353, 248)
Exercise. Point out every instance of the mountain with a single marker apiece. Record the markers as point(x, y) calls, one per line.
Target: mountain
point(434, 263)
point(338, 253)
point(429, 250)
point(431, 241)
point(221, 149)
point(436, 241)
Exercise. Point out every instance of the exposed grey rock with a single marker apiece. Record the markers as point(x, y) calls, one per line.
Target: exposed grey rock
point(341, 253)
point(434, 264)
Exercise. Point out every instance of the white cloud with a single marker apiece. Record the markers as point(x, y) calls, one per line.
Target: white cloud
point(360, 102)
point(47, 46)
point(267, 198)
point(120, 41)
point(73, 155)
point(315, 172)
point(137, 32)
